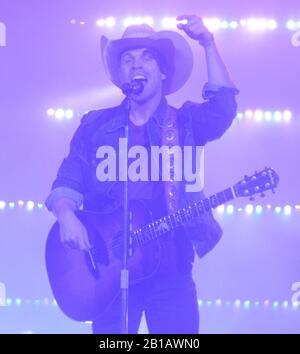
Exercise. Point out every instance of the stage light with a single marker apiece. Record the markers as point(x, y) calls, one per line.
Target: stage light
point(277, 116)
point(2, 205)
point(268, 116)
point(100, 22)
point(257, 303)
point(275, 304)
point(82, 22)
point(249, 209)
point(252, 24)
point(297, 207)
point(208, 303)
point(272, 24)
point(291, 25)
point(266, 303)
point(258, 115)
point(30, 205)
point(73, 21)
point(21, 203)
point(110, 21)
point(127, 21)
point(243, 22)
point(277, 210)
point(168, 22)
point(249, 113)
point(224, 24)
point(287, 115)
point(11, 205)
point(247, 304)
point(220, 209)
point(240, 116)
point(40, 205)
point(8, 301)
point(295, 304)
point(285, 304)
point(138, 21)
point(200, 302)
point(69, 114)
point(218, 302)
point(258, 209)
point(149, 20)
point(233, 24)
point(237, 303)
point(230, 209)
point(213, 24)
point(262, 24)
point(59, 113)
point(50, 112)
point(287, 210)
point(18, 302)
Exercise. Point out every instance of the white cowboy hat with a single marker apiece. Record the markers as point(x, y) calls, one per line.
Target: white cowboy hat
point(175, 54)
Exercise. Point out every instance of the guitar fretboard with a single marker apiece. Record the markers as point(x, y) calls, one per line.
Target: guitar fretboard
point(180, 218)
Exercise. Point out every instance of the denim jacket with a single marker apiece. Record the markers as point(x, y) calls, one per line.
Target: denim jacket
point(198, 124)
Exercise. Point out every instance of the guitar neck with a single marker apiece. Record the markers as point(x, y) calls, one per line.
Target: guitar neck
point(181, 217)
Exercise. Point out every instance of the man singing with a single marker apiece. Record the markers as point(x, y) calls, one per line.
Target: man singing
point(149, 65)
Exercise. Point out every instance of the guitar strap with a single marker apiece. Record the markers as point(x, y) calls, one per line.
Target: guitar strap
point(170, 138)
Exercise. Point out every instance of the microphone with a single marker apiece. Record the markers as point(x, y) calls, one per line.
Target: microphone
point(135, 87)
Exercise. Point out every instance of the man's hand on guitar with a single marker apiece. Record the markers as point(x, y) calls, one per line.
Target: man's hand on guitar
point(73, 233)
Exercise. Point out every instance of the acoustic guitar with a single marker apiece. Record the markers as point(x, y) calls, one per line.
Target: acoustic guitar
point(84, 284)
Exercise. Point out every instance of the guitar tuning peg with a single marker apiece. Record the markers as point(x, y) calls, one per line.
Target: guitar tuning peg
point(262, 195)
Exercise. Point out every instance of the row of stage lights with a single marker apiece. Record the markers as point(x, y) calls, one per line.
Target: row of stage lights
point(267, 116)
point(60, 114)
point(230, 209)
point(213, 24)
point(238, 304)
point(258, 209)
point(258, 115)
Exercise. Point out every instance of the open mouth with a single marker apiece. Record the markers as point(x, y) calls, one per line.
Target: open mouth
point(139, 78)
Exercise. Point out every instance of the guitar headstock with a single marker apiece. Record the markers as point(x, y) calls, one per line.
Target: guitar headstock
point(259, 182)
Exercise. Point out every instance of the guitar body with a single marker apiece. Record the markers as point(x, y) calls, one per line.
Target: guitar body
point(84, 284)
point(84, 288)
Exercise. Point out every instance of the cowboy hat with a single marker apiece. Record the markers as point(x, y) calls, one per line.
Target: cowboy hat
point(174, 53)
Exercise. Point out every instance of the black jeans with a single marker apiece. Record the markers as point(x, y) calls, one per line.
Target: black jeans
point(169, 302)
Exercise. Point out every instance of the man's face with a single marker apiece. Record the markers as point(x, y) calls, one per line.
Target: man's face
point(140, 63)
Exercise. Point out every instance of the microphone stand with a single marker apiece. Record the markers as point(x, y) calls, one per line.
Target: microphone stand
point(128, 89)
point(124, 280)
